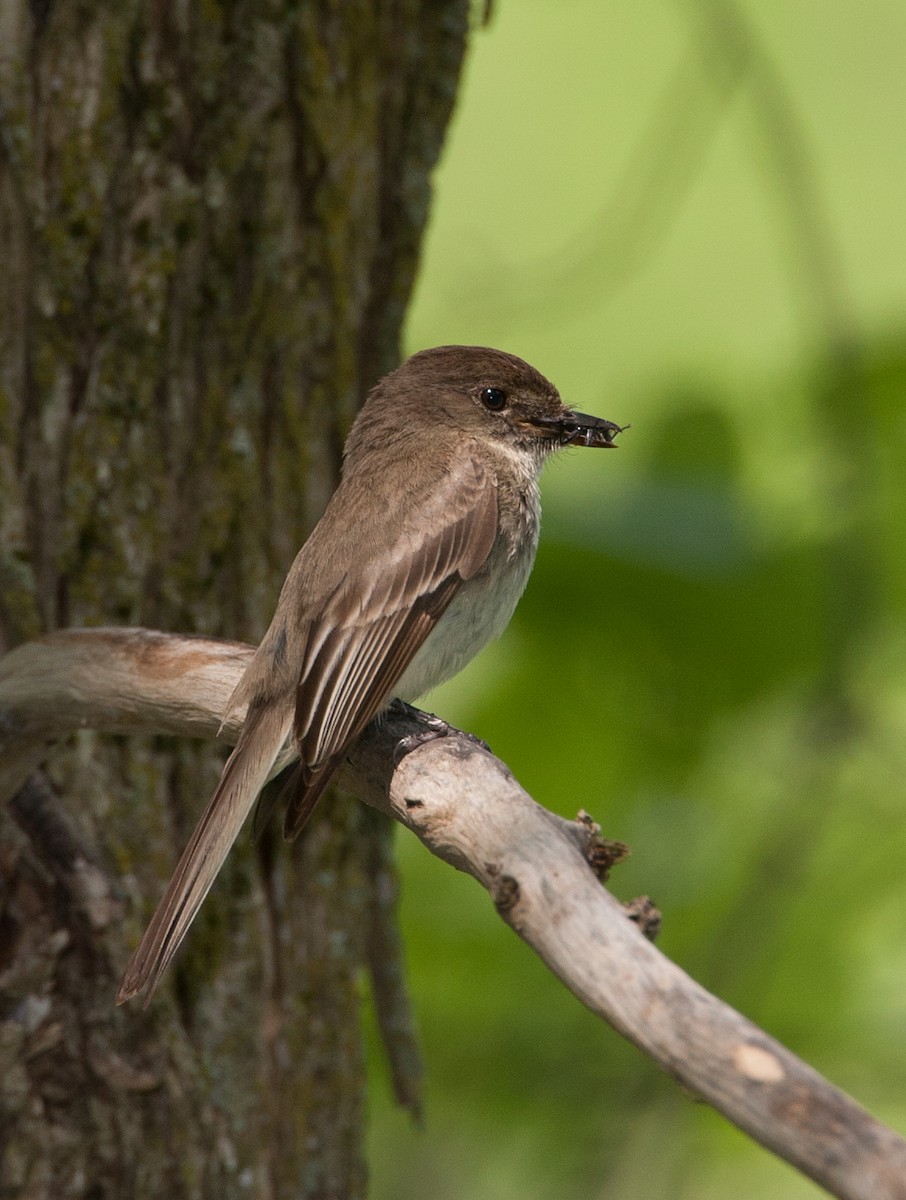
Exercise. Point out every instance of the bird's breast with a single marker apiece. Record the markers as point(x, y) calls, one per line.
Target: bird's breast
point(481, 608)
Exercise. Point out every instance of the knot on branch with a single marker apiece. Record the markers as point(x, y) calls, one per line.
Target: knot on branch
point(505, 893)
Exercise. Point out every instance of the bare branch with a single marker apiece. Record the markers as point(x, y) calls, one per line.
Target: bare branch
point(468, 810)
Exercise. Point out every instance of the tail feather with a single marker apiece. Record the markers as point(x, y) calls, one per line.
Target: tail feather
point(245, 773)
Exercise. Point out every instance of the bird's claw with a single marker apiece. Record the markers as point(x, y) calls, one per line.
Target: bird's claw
point(432, 727)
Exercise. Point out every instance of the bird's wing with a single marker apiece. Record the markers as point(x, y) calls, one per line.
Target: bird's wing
point(354, 653)
point(372, 627)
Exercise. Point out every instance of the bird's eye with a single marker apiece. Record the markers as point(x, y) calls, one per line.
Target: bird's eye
point(493, 398)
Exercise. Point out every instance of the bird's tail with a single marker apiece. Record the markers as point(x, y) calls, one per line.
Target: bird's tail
point(244, 774)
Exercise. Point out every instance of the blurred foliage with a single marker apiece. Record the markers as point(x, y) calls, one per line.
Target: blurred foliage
point(690, 217)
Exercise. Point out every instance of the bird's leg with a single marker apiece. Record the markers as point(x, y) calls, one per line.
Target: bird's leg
point(431, 727)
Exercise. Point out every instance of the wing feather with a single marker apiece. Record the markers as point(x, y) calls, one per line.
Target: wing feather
point(339, 643)
point(377, 621)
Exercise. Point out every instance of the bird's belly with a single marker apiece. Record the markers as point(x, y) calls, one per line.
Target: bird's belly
point(478, 613)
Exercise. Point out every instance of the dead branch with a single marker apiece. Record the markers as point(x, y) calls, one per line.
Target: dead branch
point(468, 810)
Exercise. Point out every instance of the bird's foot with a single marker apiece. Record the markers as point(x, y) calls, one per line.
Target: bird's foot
point(431, 728)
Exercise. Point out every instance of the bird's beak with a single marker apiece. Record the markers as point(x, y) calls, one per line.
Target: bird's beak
point(579, 429)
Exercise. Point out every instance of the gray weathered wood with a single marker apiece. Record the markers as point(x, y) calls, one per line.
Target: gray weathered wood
point(467, 808)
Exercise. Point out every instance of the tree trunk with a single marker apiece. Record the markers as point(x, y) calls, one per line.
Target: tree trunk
point(210, 221)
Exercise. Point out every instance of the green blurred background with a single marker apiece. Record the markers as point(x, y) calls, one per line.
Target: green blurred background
point(691, 217)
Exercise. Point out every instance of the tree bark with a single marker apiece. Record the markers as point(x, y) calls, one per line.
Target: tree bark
point(209, 217)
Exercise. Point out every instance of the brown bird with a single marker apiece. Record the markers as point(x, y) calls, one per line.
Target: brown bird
point(417, 563)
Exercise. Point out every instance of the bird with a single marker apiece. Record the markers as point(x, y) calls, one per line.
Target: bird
point(418, 562)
